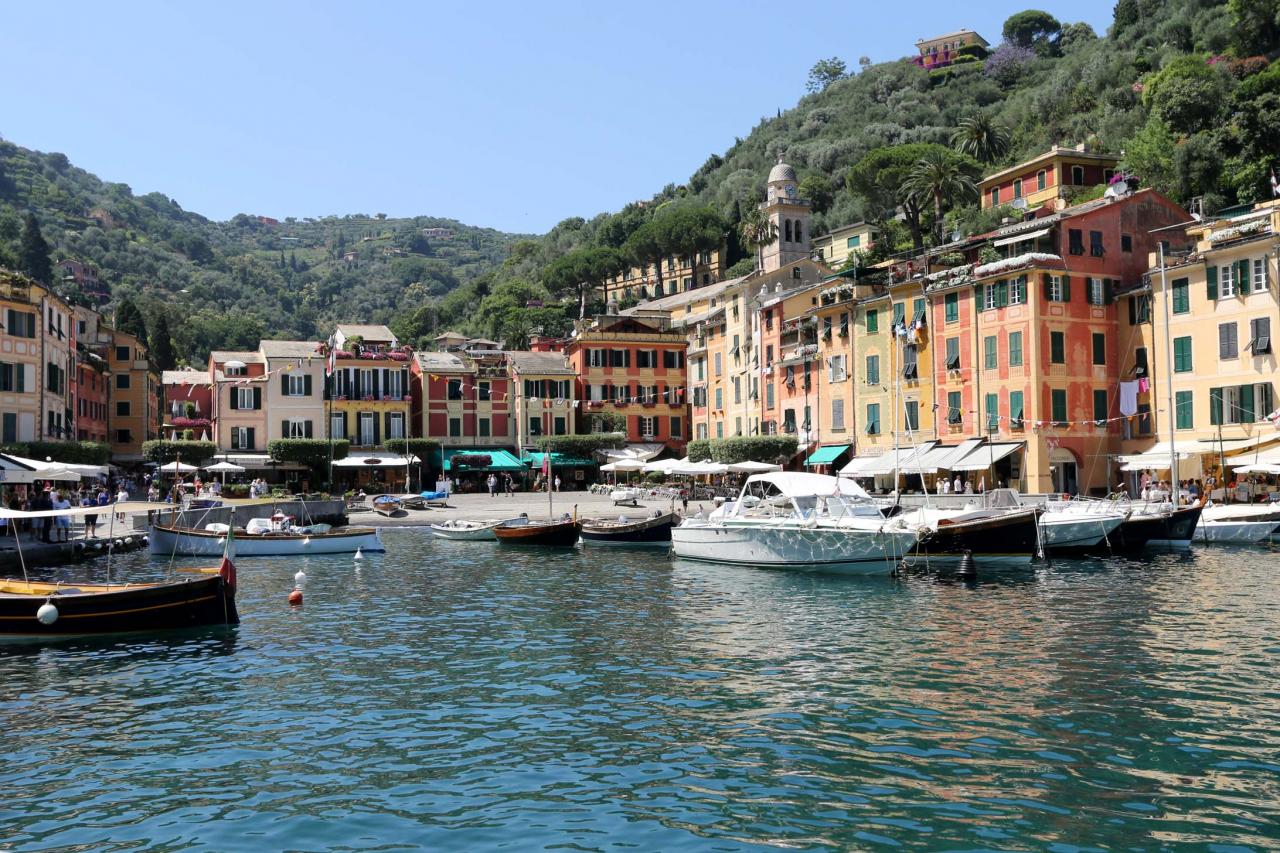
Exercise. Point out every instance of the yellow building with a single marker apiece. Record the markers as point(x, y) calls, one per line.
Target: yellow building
point(543, 383)
point(1048, 177)
point(20, 361)
point(834, 249)
point(133, 415)
point(893, 368)
point(671, 276)
point(833, 325)
point(371, 400)
point(1220, 305)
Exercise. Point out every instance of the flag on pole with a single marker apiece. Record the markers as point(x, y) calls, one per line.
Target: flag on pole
point(333, 358)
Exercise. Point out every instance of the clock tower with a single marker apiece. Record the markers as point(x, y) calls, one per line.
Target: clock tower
point(789, 215)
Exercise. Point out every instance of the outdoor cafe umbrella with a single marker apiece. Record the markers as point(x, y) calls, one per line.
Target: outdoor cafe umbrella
point(752, 467)
point(623, 465)
point(223, 468)
point(176, 467)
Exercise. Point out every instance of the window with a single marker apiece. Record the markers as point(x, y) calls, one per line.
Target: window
point(596, 358)
point(719, 429)
point(899, 313)
point(837, 414)
point(1015, 349)
point(853, 242)
point(646, 358)
point(719, 364)
point(1099, 348)
point(1015, 410)
point(1018, 290)
point(837, 372)
point(1184, 417)
point(676, 427)
point(453, 389)
point(719, 397)
point(992, 408)
point(558, 425)
point(911, 411)
point(873, 418)
point(484, 427)
point(873, 320)
point(535, 425)
point(122, 381)
point(1228, 344)
point(1181, 296)
point(395, 425)
point(1099, 404)
point(1057, 348)
point(995, 196)
point(647, 426)
point(242, 438)
point(1144, 419)
point(1140, 361)
point(485, 391)
point(9, 433)
point(1017, 187)
point(954, 411)
point(122, 354)
point(1182, 355)
point(1058, 405)
point(737, 390)
point(953, 353)
point(338, 426)
point(619, 358)
point(296, 428)
point(990, 297)
point(1226, 281)
point(768, 395)
point(1042, 179)
point(1260, 336)
point(245, 398)
point(22, 324)
point(951, 306)
point(1259, 274)
point(125, 436)
point(1098, 291)
point(297, 385)
point(367, 433)
point(990, 359)
point(873, 370)
point(672, 359)
point(910, 366)
point(1057, 288)
point(122, 408)
point(1077, 176)
point(1126, 243)
point(1095, 244)
point(1075, 241)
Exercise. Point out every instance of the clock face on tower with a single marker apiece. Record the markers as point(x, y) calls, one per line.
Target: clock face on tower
point(791, 190)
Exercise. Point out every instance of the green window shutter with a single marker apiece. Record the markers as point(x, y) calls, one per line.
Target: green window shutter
point(1183, 410)
point(1066, 288)
point(1245, 276)
point(977, 298)
point(1108, 291)
point(1211, 282)
point(284, 383)
point(257, 399)
point(1099, 404)
point(284, 428)
point(249, 438)
point(1058, 400)
point(1246, 414)
point(993, 412)
point(1015, 406)
point(235, 397)
point(306, 385)
point(1046, 281)
point(989, 347)
point(1215, 406)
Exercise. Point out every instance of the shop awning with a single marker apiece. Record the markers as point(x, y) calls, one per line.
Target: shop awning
point(1018, 238)
point(558, 460)
point(375, 460)
point(861, 466)
point(1157, 458)
point(826, 454)
point(985, 455)
point(499, 460)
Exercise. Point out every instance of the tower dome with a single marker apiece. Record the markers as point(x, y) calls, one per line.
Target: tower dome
point(781, 172)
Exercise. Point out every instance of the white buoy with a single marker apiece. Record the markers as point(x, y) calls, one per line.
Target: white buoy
point(128, 540)
point(47, 614)
point(118, 543)
point(306, 541)
point(300, 578)
point(359, 555)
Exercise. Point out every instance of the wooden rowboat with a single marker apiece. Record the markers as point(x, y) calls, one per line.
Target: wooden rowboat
point(33, 609)
point(472, 531)
point(387, 505)
point(646, 532)
point(562, 533)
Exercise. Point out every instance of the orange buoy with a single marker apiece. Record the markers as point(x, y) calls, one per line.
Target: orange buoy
point(295, 597)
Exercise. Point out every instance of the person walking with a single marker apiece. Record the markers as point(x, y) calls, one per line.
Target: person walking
point(492, 483)
point(557, 482)
point(62, 523)
point(45, 499)
point(509, 484)
point(122, 496)
point(90, 521)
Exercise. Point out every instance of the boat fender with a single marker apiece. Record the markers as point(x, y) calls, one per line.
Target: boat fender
point(300, 578)
point(145, 539)
point(118, 543)
point(359, 555)
point(966, 568)
point(47, 614)
point(295, 598)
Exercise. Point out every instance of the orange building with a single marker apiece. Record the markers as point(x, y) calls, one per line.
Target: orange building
point(1046, 178)
point(133, 416)
point(634, 368)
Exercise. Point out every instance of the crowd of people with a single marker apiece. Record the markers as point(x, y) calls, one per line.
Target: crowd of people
point(42, 497)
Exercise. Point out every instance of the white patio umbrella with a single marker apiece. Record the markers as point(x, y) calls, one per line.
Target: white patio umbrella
point(752, 467)
point(624, 465)
point(177, 467)
point(60, 474)
point(224, 468)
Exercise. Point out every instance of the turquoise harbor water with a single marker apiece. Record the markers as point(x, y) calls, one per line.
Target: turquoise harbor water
point(457, 696)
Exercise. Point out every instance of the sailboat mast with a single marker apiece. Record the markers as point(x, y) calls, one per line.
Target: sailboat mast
point(1168, 375)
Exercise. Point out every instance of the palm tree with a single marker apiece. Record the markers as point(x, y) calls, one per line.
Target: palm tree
point(939, 175)
point(979, 136)
point(757, 232)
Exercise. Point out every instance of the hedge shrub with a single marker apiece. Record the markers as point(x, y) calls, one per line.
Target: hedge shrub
point(66, 452)
point(745, 448)
point(188, 452)
point(584, 446)
point(312, 452)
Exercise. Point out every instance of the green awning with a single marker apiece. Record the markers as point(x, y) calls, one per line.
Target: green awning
point(499, 460)
point(826, 454)
point(558, 460)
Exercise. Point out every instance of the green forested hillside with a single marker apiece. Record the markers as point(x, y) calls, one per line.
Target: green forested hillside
point(1186, 89)
point(224, 284)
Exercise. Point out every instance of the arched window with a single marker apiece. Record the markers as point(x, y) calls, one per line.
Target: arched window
point(657, 290)
point(786, 230)
point(799, 233)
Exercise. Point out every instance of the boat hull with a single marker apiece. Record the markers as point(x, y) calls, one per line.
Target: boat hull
point(202, 601)
point(479, 533)
point(1077, 534)
point(202, 543)
point(1176, 530)
point(794, 547)
point(1011, 539)
point(649, 533)
point(556, 534)
point(1242, 532)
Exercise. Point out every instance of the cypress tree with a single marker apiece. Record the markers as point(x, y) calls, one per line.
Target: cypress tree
point(130, 321)
point(33, 252)
point(162, 354)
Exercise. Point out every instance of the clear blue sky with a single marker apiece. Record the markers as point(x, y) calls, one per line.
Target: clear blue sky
point(509, 115)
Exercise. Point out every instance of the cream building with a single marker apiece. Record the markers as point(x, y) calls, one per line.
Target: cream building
point(295, 399)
